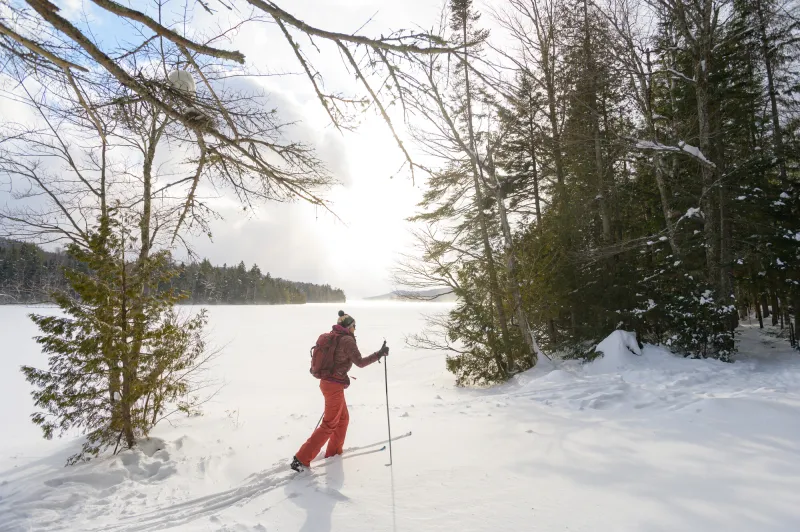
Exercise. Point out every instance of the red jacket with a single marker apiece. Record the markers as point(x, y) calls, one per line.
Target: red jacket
point(346, 355)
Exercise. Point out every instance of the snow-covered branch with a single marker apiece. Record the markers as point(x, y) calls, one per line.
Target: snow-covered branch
point(682, 147)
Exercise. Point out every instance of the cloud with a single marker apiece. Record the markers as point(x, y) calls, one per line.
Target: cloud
point(332, 150)
point(298, 241)
point(282, 239)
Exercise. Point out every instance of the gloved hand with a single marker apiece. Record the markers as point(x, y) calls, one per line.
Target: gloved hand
point(384, 351)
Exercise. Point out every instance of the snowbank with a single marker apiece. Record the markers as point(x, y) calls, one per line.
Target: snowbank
point(618, 351)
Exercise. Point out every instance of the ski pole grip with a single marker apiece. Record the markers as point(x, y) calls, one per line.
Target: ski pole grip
point(384, 345)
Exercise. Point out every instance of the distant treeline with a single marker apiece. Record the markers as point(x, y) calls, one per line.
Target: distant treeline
point(29, 274)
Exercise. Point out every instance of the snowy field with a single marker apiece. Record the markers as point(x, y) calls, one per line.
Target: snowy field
point(628, 443)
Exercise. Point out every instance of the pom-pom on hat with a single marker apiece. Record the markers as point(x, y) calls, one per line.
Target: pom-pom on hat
point(345, 320)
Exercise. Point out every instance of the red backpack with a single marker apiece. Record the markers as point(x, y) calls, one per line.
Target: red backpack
point(322, 360)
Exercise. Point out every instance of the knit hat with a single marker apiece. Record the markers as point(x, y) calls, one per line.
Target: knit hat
point(345, 320)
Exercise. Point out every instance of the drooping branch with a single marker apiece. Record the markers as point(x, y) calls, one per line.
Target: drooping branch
point(311, 76)
point(380, 105)
point(401, 44)
point(39, 50)
point(163, 31)
point(247, 158)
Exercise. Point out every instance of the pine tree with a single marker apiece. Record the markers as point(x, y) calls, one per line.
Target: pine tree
point(96, 381)
point(651, 185)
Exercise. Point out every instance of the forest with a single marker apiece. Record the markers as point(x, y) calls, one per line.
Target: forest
point(604, 165)
point(29, 274)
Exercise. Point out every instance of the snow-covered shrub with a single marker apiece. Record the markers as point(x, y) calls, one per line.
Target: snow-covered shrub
point(684, 314)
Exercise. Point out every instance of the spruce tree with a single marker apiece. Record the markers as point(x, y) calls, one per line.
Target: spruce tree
point(96, 382)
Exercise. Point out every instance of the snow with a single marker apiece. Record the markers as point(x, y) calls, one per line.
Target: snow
point(680, 75)
point(692, 212)
point(616, 352)
point(637, 440)
point(682, 146)
point(695, 152)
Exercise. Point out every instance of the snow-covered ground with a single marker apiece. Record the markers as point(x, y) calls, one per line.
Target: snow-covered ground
point(648, 442)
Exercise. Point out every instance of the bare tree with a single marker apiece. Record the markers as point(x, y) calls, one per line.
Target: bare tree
point(633, 49)
point(35, 36)
point(534, 25)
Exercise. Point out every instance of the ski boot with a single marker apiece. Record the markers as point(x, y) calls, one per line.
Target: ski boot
point(297, 465)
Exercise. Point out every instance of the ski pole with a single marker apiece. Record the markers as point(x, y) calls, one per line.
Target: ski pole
point(320, 421)
point(388, 421)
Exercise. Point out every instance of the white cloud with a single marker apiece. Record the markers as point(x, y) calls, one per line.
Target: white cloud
point(301, 242)
point(298, 241)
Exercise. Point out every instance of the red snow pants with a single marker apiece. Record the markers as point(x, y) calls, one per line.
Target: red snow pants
point(333, 427)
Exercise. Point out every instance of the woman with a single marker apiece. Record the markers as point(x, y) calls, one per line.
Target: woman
point(333, 428)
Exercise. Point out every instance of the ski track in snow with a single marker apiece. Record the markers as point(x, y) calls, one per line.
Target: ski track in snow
point(258, 485)
point(656, 442)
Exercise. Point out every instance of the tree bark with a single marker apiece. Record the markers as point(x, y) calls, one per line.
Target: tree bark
point(697, 23)
point(708, 203)
point(534, 164)
point(756, 304)
point(796, 333)
point(128, 369)
point(494, 284)
point(511, 267)
point(777, 134)
point(776, 311)
point(591, 72)
point(548, 71)
point(764, 305)
point(658, 159)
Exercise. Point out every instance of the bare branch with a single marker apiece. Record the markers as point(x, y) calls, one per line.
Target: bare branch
point(180, 40)
point(37, 49)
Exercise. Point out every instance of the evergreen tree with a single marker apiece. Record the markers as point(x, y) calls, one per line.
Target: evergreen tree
point(99, 380)
point(651, 174)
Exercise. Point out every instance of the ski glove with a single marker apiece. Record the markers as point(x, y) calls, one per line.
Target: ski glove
point(384, 351)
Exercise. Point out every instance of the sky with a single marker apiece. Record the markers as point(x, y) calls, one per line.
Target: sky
point(302, 242)
point(356, 248)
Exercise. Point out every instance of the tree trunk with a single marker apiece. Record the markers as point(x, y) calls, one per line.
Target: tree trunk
point(758, 309)
point(137, 306)
point(548, 71)
point(776, 311)
point(534, 165)
point(725, 255)
point(665, 204)
point(659, 161)
point(128, 369)
point(796, 333)
point(494, 284)
point(511, 267)
point(707, 202)
point(777, 134)
point(591, 72)
point(536, 200)
point(697, 22)
point(764, 305)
